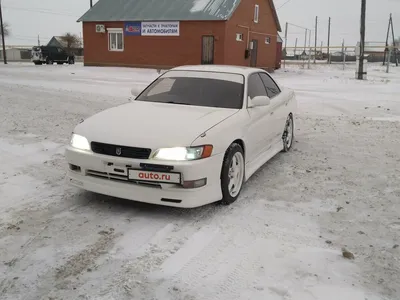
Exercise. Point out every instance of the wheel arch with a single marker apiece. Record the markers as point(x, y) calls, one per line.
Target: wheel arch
point(241, 143)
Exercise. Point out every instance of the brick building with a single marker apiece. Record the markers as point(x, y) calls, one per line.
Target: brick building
point(164, 34)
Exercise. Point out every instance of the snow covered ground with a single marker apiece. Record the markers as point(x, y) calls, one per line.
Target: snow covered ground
point(338, 187)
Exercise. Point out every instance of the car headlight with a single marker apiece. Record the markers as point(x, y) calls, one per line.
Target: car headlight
point(80, 142)
point(183, 153)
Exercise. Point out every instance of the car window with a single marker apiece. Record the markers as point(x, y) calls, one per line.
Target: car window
point(197, 89)
point(164, 86)
point(272, 88)
point(256, 86)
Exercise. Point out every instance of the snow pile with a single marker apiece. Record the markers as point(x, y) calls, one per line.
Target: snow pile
point(211, 6)
point(199, 5)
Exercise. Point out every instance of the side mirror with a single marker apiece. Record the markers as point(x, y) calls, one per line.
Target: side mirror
point(260, 101)
point(136, 90)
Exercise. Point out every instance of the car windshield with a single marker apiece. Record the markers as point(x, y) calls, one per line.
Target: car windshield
point(197, 88)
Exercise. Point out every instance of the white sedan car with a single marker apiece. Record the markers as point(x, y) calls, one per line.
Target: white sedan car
point(191, 137)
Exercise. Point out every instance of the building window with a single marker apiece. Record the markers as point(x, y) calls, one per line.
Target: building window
point(239, 36)
point(115, 40)
point(268, 40)
point(256, 12)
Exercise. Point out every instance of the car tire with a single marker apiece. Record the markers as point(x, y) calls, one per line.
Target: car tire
point(288, 134)
point(71, 61)
point(232, 174)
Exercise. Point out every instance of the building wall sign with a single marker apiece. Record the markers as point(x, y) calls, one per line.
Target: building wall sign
point(133, 28)
point(152, 28)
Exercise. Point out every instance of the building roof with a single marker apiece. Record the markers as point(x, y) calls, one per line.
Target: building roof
point(62, 43)
point(171, 10)
point(274, 12)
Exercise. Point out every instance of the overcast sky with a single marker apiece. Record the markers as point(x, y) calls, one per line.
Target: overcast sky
point(46, 18)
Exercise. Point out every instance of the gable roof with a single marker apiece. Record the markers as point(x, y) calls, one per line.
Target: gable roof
point(275, 13)
point(62, 43)
point(155, 10)
point(171, 10)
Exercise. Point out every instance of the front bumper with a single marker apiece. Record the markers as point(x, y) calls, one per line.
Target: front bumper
point(92, 175)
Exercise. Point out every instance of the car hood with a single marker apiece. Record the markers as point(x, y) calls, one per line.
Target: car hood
point(151, 125)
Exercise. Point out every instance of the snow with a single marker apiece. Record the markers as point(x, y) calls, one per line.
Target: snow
point(210, 6)
point(282, 239)
point(199, 5)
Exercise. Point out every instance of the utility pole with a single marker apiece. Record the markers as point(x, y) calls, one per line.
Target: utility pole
point(329, 38)
point(388, 61)
point(344, 55)
point(316, 37)
point(38, 40)
point(295, 47)
point(309, 48)
point(362, 40)
point(305, 47)
point(394, 42)
point(387, 40)
point(2, 36)
point(284, 59)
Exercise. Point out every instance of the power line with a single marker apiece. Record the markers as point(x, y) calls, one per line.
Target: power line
point(41, 11)
point(283, 4)
point(26, 38)
point(298, 26)
point(30, 36)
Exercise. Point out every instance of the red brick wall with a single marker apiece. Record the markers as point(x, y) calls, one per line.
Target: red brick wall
point(244, 15)
point(153, 51)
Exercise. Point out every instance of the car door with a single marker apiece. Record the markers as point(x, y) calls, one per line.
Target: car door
point(52, 53)
point(259, 133)
point(278, 106)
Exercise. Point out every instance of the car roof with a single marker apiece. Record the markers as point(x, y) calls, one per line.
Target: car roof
point(219, 68)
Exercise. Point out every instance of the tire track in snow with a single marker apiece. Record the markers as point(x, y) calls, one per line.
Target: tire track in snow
point(133, 254)
point(109, 269)
point(165, 243)
point(236, 277)
point(210, 254)
point(187, 275)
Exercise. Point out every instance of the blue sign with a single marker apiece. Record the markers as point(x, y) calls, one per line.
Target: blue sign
point(133, 28)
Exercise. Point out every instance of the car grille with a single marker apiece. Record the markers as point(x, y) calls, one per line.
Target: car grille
point(120, 151)
point(120, 178)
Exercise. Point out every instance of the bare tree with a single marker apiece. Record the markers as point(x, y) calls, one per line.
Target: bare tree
point(6, 28)
point(71, 40)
